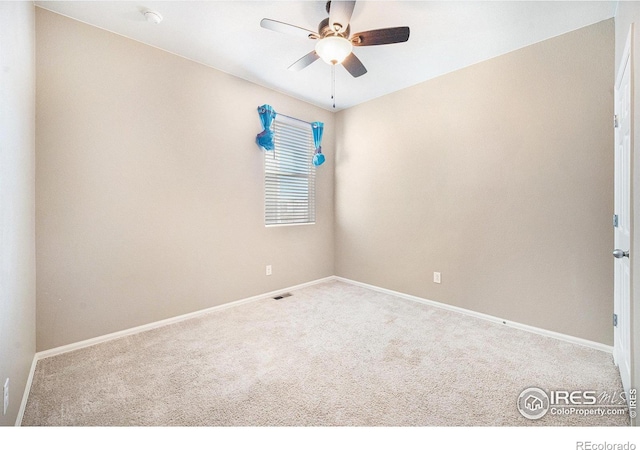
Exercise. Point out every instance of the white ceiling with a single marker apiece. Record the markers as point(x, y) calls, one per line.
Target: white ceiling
point(445, 36)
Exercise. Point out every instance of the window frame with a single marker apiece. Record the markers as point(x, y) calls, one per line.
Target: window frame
point(283, 128)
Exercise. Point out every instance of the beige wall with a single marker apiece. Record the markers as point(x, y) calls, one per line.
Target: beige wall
point(150, 187)
point(17, 200)
point(499, 176)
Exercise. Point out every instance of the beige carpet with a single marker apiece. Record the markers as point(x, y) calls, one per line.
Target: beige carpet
point(332, 354)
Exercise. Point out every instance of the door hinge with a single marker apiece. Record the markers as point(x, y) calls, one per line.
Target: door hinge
point(615, 320)
point(615, 221)
point(615, 121)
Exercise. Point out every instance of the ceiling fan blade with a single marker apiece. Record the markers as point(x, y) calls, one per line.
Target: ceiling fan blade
point(354, 66)
point(286, 28)
point(304, 61)
point(340, 13)
point(381, 36)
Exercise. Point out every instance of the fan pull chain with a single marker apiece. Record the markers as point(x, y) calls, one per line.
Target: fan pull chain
point(333, 85)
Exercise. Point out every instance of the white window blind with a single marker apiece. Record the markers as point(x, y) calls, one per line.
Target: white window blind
point(289, 175)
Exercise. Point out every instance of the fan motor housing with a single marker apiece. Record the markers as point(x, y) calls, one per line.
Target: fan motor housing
point(325, 30)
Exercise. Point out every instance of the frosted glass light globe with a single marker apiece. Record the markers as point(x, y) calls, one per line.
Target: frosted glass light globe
point(333, 49)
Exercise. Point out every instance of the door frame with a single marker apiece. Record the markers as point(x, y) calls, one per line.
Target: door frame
point(622, 327)
point(634, 312)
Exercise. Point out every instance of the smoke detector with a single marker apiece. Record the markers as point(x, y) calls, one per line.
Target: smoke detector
point(152, 16)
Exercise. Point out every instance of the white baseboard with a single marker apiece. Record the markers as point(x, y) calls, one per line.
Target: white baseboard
point(27, 390)
point(161, 323)
point(468, 312)
point(150, 326)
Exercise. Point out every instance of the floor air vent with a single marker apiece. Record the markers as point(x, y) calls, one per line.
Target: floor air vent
point(281, 296)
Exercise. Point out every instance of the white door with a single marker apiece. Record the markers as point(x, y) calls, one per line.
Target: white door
point(622, 219)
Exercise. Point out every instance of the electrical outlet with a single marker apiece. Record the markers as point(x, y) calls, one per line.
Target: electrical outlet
point(6, 396)
point(269, 270)
point(436, 277)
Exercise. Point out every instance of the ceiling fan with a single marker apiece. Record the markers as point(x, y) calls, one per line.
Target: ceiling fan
point(334, 39)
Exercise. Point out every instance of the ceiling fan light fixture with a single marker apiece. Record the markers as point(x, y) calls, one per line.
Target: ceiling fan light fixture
point(333, 49)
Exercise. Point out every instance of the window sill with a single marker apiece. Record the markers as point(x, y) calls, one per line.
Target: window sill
point(289, 224)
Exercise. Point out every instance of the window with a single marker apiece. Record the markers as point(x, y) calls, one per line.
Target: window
point(289, 175)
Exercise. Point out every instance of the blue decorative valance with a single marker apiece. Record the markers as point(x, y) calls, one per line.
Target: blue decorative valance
point(265, 138)
point(318, 157)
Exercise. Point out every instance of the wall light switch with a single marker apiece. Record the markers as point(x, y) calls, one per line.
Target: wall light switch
point(5, 391)
point(436, 277)
point(268, 272)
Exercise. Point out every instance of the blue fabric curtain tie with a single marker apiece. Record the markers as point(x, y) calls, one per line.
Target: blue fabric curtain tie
point(318, 157)
point(265, 138)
